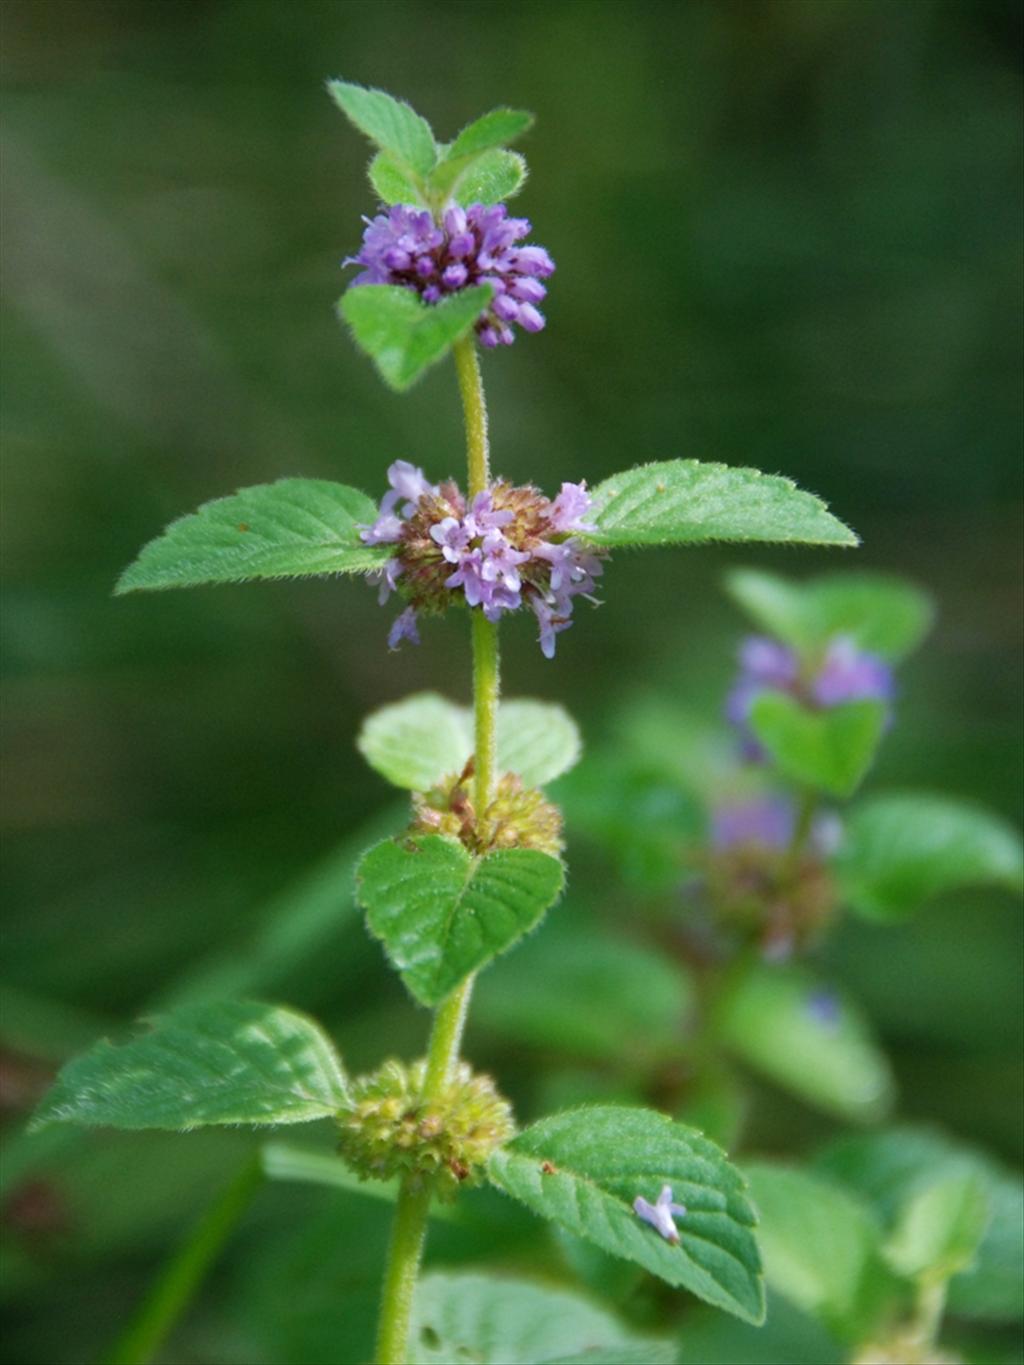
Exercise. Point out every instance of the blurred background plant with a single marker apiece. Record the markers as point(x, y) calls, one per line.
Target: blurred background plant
point(801, 215)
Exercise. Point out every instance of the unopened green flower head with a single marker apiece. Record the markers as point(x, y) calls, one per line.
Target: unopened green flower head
point(518, 817)
point(390, 1130)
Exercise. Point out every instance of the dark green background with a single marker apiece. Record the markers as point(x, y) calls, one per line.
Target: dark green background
point(787, 235)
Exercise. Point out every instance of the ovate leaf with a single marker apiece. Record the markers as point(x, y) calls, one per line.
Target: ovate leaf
point(442, 913)
point(901, 850)
point(879, 613)
point(584, 1168)
point(391, 183)
point(289, 529)
point(821, 1248)
point(288, 1162)
point(495, 1320)
point(681, 502)
point(490, 178)
point(416, 742)
point(395, 127)
point(940, 1229)
point(830, 750)
point(401, 335)
point(229, 1062)
point(496, 129)
point(807, 1038)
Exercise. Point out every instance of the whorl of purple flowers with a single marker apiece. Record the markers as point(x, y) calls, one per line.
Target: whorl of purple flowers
point(471, 246)
point(845, 673)
point(509, 547)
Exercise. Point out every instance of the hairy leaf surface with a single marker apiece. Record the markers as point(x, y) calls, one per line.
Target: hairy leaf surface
point(392, 124)
point(404, 336)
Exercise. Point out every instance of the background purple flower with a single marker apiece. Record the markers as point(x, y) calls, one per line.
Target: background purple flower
point(472, 246)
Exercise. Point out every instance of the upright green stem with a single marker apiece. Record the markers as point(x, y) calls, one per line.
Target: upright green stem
point(410, 1226)
point(801, 831)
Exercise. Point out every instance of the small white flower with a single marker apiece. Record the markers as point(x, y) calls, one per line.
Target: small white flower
point(659, 1214)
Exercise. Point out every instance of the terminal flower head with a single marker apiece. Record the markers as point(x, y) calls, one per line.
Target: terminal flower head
point(660, 1213)
point(470, 246)
point(508, 548)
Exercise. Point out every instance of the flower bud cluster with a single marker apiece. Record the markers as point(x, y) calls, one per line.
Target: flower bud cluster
point(518, 817)
point(507, 548)
point(472, 246)
point(389, 1129)
point(843, 673)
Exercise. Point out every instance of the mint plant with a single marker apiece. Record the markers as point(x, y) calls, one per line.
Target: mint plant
point(445, 270)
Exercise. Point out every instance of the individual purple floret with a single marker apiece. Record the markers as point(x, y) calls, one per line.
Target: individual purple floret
point(660, 1213)
point(845, 673)
point(476, 245)
point(510, 548)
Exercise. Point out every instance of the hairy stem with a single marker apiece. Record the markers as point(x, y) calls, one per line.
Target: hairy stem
point(410, 1226)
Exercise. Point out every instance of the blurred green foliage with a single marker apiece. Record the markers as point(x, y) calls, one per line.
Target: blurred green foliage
point(786, 236)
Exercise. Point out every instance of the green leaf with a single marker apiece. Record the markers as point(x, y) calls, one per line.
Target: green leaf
point(879, 613)
point(403, 336)
point(893, 1168)
point(229, 1062)
point(287, 1162)
point(685, 502)
point(940, 1229)
point(490, 178)
point(808, 1039)
point(821, 1248)
point(496, 129)
point(589, 995)
point(900, 850)
point(391, 183)
point(496, 1320)
point(416, 742)
point(603, 1158)
point(442, 913)
point(289, 529)
point(395, 127)
point(829, 750)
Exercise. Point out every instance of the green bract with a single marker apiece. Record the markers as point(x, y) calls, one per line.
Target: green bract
point(289, 529)
point(829, 751)
point(230, 1062)
point(416, 742)
point(583, 1169)
point(403, 336)
point(442, 913)
point(679, 502)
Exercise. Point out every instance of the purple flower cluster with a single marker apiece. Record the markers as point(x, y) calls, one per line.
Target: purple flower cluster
point(509, 547)
point(844, 673)
point(471, 246)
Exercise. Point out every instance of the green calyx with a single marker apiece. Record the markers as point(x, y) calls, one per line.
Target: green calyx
point(518, 817)
point(391, 1129)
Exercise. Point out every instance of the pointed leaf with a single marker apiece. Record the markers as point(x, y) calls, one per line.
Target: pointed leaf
point(288, 1162)
point(900, 850)
point(290, 529)
point(395, 127)
point(830, 750)
point(583, 1169)
point(403, 336)
point(416, 742)
point(496, 1320)
point(496, 129)
point(391, 183)
point(490, 178)
point(442, 913)
point(681, 502)
point(879, 613)
point(940, 1229)
point(806, 1038)
point(822, 1248)
point(229, 1062)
